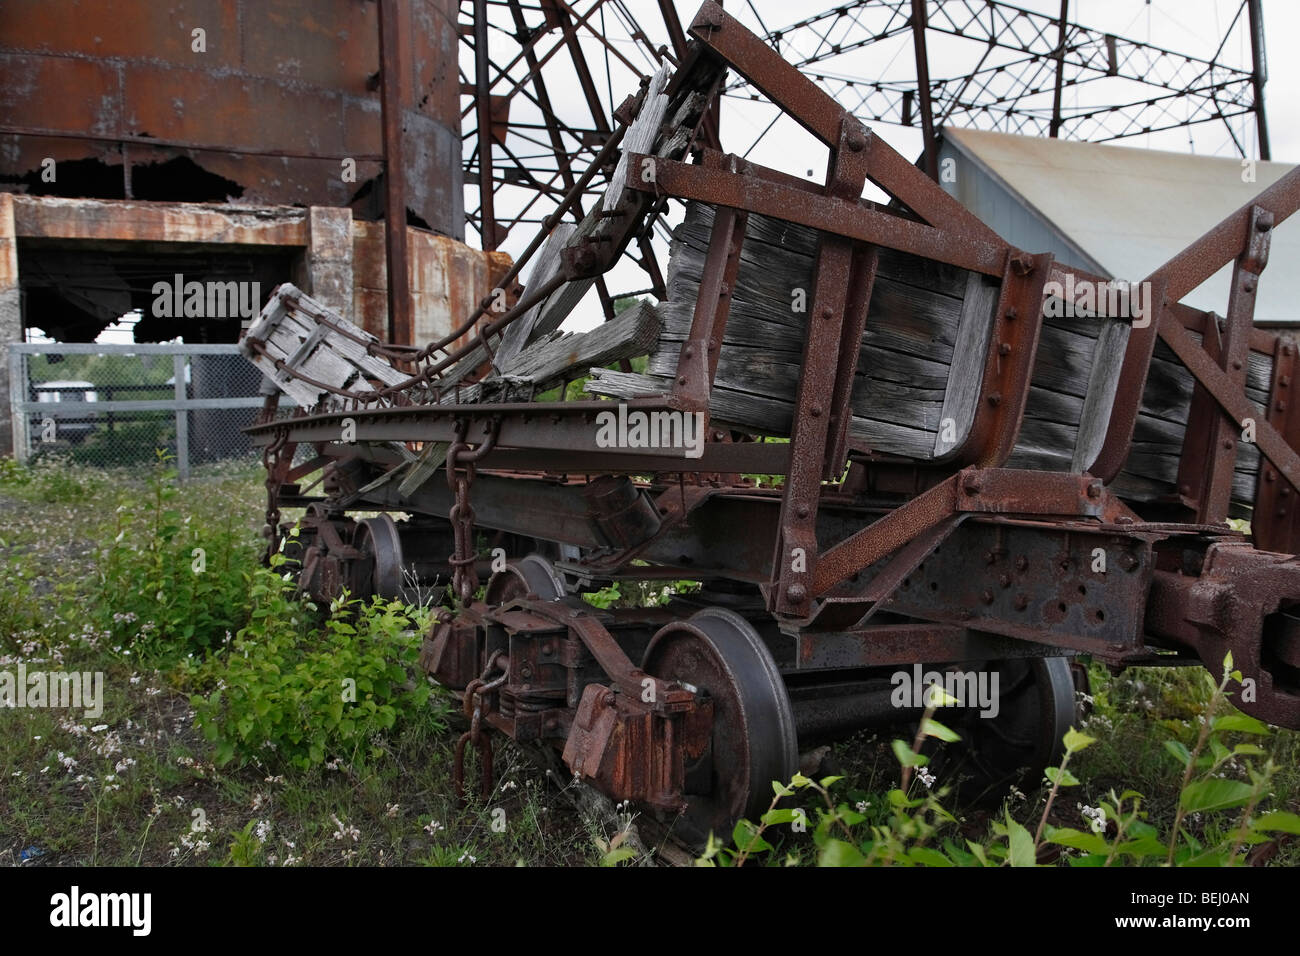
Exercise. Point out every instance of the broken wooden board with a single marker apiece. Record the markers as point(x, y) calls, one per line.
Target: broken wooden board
point(563, 356)
point(305, 335)
point(647, 129)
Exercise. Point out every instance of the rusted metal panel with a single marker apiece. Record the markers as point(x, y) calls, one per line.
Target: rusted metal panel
point(447, 280)
point(275, 100)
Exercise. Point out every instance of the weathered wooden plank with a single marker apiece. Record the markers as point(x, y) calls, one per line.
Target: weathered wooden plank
point(566, 355)
point(640, 136)
point(1094, 417)
point(966, 372)
point(547, 265)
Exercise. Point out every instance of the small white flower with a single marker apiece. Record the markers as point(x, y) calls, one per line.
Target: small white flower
point(343, 830)
point(1096, 818)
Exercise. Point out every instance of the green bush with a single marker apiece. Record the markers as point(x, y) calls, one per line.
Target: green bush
point(168, 585)
point(289, 690)
point(50, 479)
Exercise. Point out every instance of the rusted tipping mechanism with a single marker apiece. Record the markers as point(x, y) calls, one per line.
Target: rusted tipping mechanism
point(952, 493)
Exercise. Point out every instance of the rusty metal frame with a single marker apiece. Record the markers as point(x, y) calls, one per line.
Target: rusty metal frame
point(1241, 236)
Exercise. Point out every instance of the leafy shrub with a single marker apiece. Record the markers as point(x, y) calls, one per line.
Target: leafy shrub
point(129, 443)
point(906, 830)
point(288, 691)
point(50, 479)
point(169, 585)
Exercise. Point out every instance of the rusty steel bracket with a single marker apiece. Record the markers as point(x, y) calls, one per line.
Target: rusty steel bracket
point(1274, 524)
point(625, 677)
point(631, 752)
point(1209, 454)
point(671, 508)
point(838, 217)
point(1003, 491)
point(862, 279)
point(697, 364)
point(1240, 603)
point(1008, 365)
point(631, 733)
point(811, 437)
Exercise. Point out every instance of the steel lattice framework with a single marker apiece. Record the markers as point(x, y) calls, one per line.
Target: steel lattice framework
point(1026, 65)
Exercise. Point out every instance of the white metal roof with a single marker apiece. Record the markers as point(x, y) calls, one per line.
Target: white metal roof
point(1131, 210)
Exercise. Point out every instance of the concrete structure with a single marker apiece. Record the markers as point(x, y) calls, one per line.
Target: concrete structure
point(1116, 210)
point(321, 249)
point(230, 141)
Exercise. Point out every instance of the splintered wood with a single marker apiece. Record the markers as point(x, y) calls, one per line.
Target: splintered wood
point(919, 366)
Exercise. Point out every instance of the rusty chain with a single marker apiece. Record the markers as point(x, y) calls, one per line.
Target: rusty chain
point(461, 468)
point(474, 707)
point(461, 515)
point(271, 461)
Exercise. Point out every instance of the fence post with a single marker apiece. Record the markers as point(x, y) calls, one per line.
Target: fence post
point(182, 418)
point(17, 403)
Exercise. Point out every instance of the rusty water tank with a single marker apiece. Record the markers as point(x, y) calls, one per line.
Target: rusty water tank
point(258, 101)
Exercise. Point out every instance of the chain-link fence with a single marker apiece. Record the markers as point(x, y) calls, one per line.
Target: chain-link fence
point(117, 405)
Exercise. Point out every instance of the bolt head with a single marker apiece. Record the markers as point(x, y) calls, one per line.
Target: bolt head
point(797, 593)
